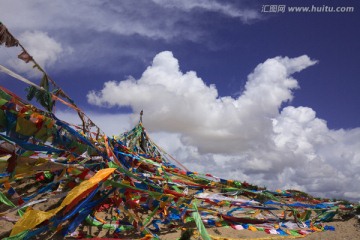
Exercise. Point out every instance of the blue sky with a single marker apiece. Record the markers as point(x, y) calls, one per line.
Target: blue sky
point(196, 66)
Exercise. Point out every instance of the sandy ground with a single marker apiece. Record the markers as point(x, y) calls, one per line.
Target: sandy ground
point(345, 230)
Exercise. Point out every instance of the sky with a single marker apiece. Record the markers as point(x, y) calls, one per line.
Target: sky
point(246, 90)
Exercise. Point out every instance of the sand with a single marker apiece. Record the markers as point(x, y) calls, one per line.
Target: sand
point(345, 230)
point(349, 229)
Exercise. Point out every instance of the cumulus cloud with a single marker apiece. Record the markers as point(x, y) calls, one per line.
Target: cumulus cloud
point(182, 102)
point(110, 124)
point(44, 49)
point(249, 138)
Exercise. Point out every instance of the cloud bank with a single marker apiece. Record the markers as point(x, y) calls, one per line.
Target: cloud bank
point(146, 17)
point(248, 138)
point(117, 30)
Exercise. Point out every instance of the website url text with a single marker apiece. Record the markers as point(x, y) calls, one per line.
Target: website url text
point(307, 9)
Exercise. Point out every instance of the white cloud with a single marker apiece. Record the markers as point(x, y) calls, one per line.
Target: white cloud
point(110, 124)
point(116, 30)
point(179, 102)
point(43, 48)
point(145, 18)
point(227, 9)
point(248, 138)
